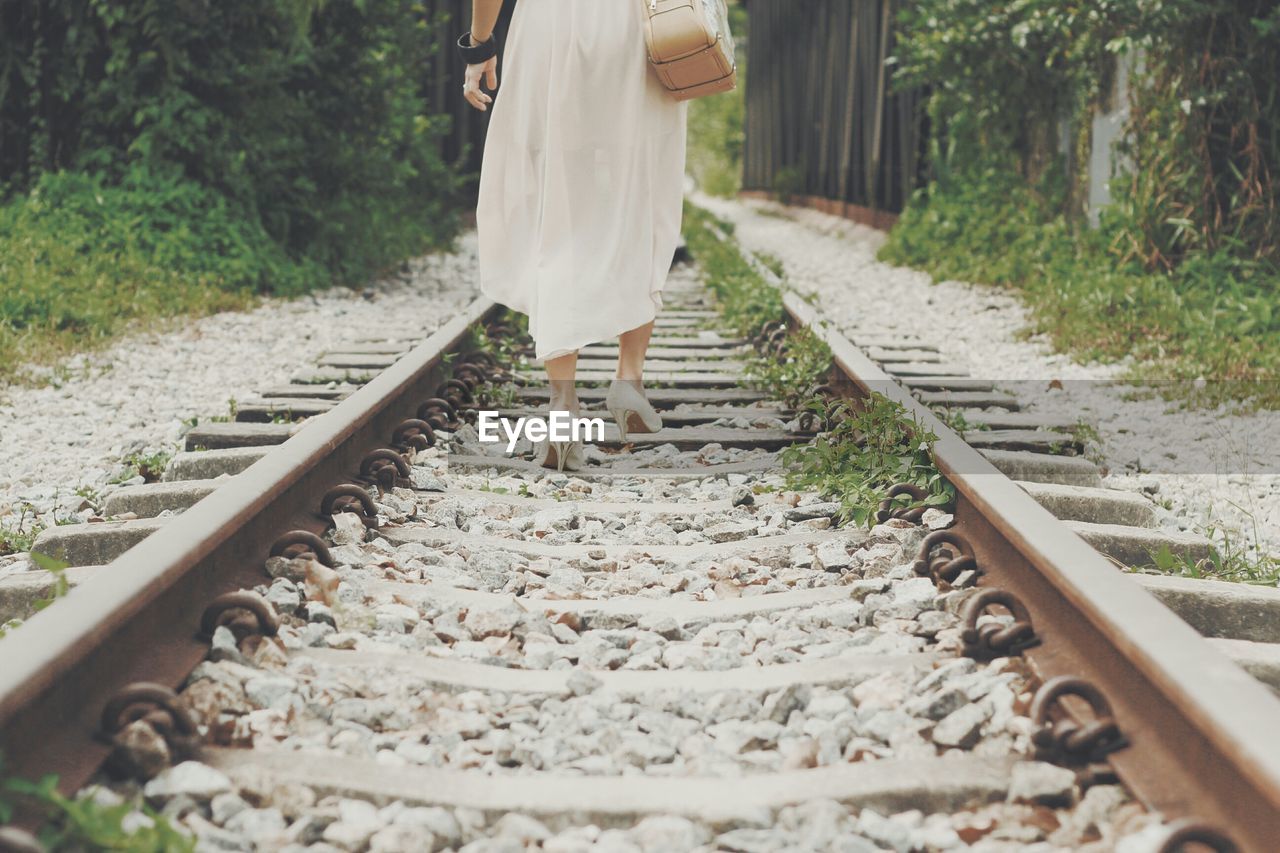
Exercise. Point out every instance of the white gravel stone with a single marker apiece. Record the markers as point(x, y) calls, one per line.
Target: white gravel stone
point(348, 529)
point(1218, 469)
point(833, 556)
point(355, 706)
point(269, 690)
point(139, 395)
point(961, 727)
point(196, 780)
point(1038, 782)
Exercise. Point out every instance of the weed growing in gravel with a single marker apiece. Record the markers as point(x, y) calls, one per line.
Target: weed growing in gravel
point(508, 352)
point(867, 447)
point(795, 374)
point(148, 466)
point(1237, 558)
point(747, 302)
point(16, 540)
point(84, 824)
point(772, 263)
point(61, 586)
point(17, 536)
point(955, 419)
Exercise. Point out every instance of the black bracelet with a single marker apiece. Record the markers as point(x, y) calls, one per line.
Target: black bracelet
point(475, 54)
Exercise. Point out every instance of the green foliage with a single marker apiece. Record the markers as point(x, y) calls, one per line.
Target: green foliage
point(308, 115)
point(956, 420)
point(81, 260)
point(1204, 138)
point(164, 158)
point(148, 466)
point(1240, 552)
point(1183, 271)
point(793, 375)
point(868, 447)
point(509, 350)
point(18, 536)
point(745, 300)
point(84, 824)
point(58, 568)
point(716, 135)
point(1211, 317)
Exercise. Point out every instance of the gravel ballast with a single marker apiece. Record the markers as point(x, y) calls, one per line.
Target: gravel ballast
point(63, 445)
point(1213, 471)
point(633, 696)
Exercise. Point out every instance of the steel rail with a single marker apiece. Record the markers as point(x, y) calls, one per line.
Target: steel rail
point(137, 620)
point(1201, 731)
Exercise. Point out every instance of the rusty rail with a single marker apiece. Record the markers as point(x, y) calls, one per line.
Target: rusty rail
point(64, 666)
point(1200, 731)
point(1188, 731)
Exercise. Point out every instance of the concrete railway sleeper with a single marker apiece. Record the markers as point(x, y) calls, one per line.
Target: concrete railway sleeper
point(367, 630)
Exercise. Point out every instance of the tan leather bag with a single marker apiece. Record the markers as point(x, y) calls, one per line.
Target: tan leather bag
point(690, 46)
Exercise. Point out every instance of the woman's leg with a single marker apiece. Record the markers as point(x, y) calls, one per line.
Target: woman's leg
point(632, 347)
point(626, 400)
point(562, 372)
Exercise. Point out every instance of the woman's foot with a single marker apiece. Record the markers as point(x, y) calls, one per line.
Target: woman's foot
point(563, 455)
point(630, 408)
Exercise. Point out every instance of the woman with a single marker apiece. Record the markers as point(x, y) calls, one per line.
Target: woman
point(581, 190)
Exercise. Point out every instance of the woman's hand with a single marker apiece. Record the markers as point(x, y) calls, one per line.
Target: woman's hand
point(488, 73)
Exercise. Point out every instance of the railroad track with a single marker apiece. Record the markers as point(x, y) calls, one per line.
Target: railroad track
point(366, 630)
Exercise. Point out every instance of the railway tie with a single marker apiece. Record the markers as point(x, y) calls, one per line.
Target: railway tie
point(342, 620)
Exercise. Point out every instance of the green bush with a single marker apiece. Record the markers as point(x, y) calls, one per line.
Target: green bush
point(81, 259)
point(1204, 135)
point(308, 115)
point(1182, 272)
point(160, 158)
point(1212, 317)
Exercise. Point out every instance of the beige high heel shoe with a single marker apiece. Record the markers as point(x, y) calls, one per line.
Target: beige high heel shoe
point(563, 456)
point(631, 409)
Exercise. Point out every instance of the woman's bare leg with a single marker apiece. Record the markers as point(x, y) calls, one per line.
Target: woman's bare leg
point(562, 455)
point(632, 347)
point(562, 371)
point(626, 401)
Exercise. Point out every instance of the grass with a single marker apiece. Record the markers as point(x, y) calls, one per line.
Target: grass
point(794, 375)
point(83, 262)
point(18, 536)
point(1209, 325)
point(1236, 556)
point(86, 824)
point(148, 466)
point(866, 446)
point(745, 300)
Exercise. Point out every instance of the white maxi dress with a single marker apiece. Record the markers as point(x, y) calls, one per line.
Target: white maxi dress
point(582, 183)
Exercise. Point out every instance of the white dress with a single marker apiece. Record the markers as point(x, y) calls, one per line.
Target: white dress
point(582, 183)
